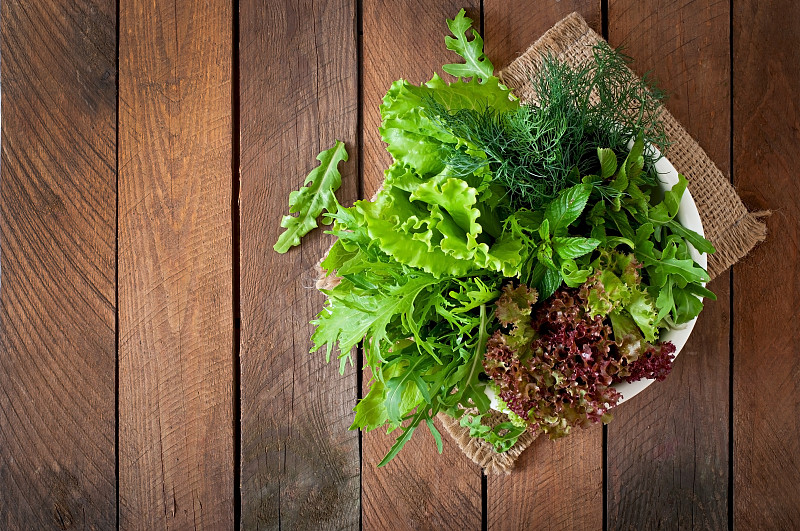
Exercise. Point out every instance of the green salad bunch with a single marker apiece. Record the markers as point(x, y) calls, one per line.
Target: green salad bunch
point(526, 250)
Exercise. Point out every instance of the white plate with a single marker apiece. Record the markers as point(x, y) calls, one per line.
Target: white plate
point(689, 217)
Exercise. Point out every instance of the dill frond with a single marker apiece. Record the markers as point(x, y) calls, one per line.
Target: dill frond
point(535, 151)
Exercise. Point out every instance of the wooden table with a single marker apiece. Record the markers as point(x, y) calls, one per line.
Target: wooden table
point(154, 367)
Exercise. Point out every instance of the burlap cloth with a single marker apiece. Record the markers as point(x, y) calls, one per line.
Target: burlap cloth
point(726, 222)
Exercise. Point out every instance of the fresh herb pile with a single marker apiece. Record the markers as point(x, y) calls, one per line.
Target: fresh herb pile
point(523, 250)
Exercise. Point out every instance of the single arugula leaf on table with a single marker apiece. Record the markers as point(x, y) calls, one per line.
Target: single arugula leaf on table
point(316, 196)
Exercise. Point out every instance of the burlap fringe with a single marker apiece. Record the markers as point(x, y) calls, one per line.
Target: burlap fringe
point(745, 233)
point(481, 452)
point(728, 225)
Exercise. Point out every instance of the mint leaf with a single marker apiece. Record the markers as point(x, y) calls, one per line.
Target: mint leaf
point(565, 209)
point(315, 197)
point(544, 230)
point(608, 162)
point(551, 281)
point(477, 64)
point(573, 246)
point(634, 162)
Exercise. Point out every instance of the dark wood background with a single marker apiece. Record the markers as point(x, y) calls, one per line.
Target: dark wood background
point(154, 367)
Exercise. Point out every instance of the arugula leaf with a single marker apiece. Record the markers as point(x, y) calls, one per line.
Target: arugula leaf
point(686, 269)
point(436, 435)
point(315, 197)
point(668, 208)
point(698, 242)
point(477, 64)
point(397, 386)
point(665, 303)
point(405, 436)
point(472, 392)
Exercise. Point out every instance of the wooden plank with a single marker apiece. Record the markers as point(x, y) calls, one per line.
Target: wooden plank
point(556, 484)
point(57, 232)
point(511, 26)
point(175, 266)
point(668, 447)
point(419, 488)
point(766, 384)
point(299, 92)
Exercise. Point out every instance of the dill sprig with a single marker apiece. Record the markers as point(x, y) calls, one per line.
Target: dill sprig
point(541, 148)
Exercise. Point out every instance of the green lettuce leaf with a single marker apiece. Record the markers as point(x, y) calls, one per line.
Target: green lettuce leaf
point(410, 126)
point(436, 228)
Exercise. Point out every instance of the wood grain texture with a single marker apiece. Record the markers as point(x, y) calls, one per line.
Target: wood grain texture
point(511, 26)
point(555, 484)
point(299, 93)
point(57, 232)
point(419, 489)
point(668, 447)
point(766, 384)
point(175, 266)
